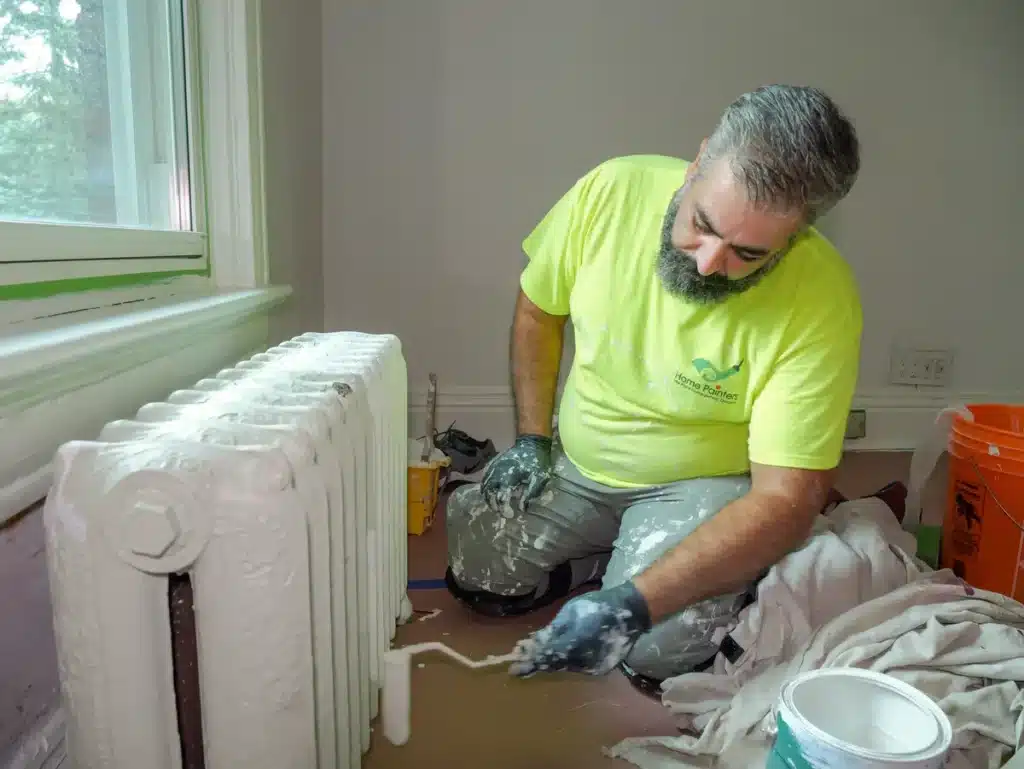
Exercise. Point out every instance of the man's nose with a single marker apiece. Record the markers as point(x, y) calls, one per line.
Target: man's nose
point(711, 257)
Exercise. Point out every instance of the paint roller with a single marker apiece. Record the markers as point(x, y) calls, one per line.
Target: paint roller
point(396, 705)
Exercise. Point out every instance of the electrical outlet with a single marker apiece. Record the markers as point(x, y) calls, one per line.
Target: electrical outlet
point(856, 424)
point(928, 367)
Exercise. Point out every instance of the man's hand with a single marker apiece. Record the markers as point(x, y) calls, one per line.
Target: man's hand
point(517, 475)
point(591, 634)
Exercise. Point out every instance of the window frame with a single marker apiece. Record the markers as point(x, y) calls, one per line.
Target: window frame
point(62, 264)
point(76, 353)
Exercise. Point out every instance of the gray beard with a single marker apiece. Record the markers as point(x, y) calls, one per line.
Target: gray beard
point(679, 275)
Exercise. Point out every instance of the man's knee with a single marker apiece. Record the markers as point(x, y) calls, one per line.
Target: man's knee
point(483, 554)
point(669, 649)
point(470, 526)
point(685, 641)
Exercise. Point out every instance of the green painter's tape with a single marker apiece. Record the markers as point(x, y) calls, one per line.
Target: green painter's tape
point(786, 752)
point(48, 288)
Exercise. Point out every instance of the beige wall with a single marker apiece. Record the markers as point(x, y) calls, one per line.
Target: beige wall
point(451, 125)
point(291, 79)
point(28, 673)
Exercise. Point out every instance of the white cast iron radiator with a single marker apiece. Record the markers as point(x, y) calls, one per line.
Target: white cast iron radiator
point(228, 567)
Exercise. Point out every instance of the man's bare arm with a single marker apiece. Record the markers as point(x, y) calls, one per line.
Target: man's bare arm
point(536, 356)
point(744, 539)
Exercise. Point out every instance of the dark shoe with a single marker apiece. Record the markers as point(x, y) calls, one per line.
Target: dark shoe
point(647, 686)
point(651, 687)
point(468, 455)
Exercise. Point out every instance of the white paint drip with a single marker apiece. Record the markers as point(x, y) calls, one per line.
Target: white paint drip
point(475, 511)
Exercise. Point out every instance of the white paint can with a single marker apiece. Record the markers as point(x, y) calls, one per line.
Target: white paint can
point(849, 718)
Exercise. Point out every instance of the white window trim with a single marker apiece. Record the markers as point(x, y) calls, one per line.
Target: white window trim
point(78, 345)
point(85, 251)
point(233, 129)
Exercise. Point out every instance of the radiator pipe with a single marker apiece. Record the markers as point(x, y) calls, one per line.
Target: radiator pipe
point(185, 662)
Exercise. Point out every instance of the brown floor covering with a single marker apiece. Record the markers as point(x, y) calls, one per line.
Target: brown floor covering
point(465, 719)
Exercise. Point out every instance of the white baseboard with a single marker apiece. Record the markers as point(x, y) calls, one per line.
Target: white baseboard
point(483, 412)
point(44, 748)
point(896, 417)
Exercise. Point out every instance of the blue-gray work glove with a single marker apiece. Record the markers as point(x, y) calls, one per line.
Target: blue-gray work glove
point(592, 634)
point(517, 475)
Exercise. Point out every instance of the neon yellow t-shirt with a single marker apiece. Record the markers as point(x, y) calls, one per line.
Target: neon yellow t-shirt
point(662, 389)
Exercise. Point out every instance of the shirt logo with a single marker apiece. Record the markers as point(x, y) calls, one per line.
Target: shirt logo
point(709, 381)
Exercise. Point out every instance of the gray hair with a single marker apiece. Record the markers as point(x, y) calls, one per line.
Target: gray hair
point(790, 147)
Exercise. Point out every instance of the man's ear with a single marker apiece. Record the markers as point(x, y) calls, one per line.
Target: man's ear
point(695, 165)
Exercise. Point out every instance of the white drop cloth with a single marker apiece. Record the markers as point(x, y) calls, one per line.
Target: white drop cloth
point(853, 597)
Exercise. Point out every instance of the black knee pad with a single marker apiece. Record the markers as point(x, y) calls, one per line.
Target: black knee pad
point(494, 605)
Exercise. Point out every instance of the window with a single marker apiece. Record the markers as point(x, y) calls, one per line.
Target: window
point(112, 194)
point(100, 179)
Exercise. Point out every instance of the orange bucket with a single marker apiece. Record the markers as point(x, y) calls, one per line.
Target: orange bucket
point(983, 531)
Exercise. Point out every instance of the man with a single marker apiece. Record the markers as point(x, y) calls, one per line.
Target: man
point(717, 345)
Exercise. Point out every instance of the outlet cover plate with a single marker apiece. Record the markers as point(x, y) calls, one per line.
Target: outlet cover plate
point(856, 425)
point(928, 367)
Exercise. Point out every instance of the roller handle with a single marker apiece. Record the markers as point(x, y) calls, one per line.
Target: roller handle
point(396, 699)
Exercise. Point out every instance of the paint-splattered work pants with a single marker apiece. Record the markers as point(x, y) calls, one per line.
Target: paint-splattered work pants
point(578, 531)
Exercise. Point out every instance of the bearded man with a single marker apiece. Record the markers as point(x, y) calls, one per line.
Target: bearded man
point(717, 340)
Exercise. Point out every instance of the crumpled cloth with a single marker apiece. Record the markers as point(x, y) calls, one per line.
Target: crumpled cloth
point(853, 596)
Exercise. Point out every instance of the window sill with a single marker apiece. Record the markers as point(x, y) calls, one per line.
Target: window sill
point(62, 339)
point(62, 377)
